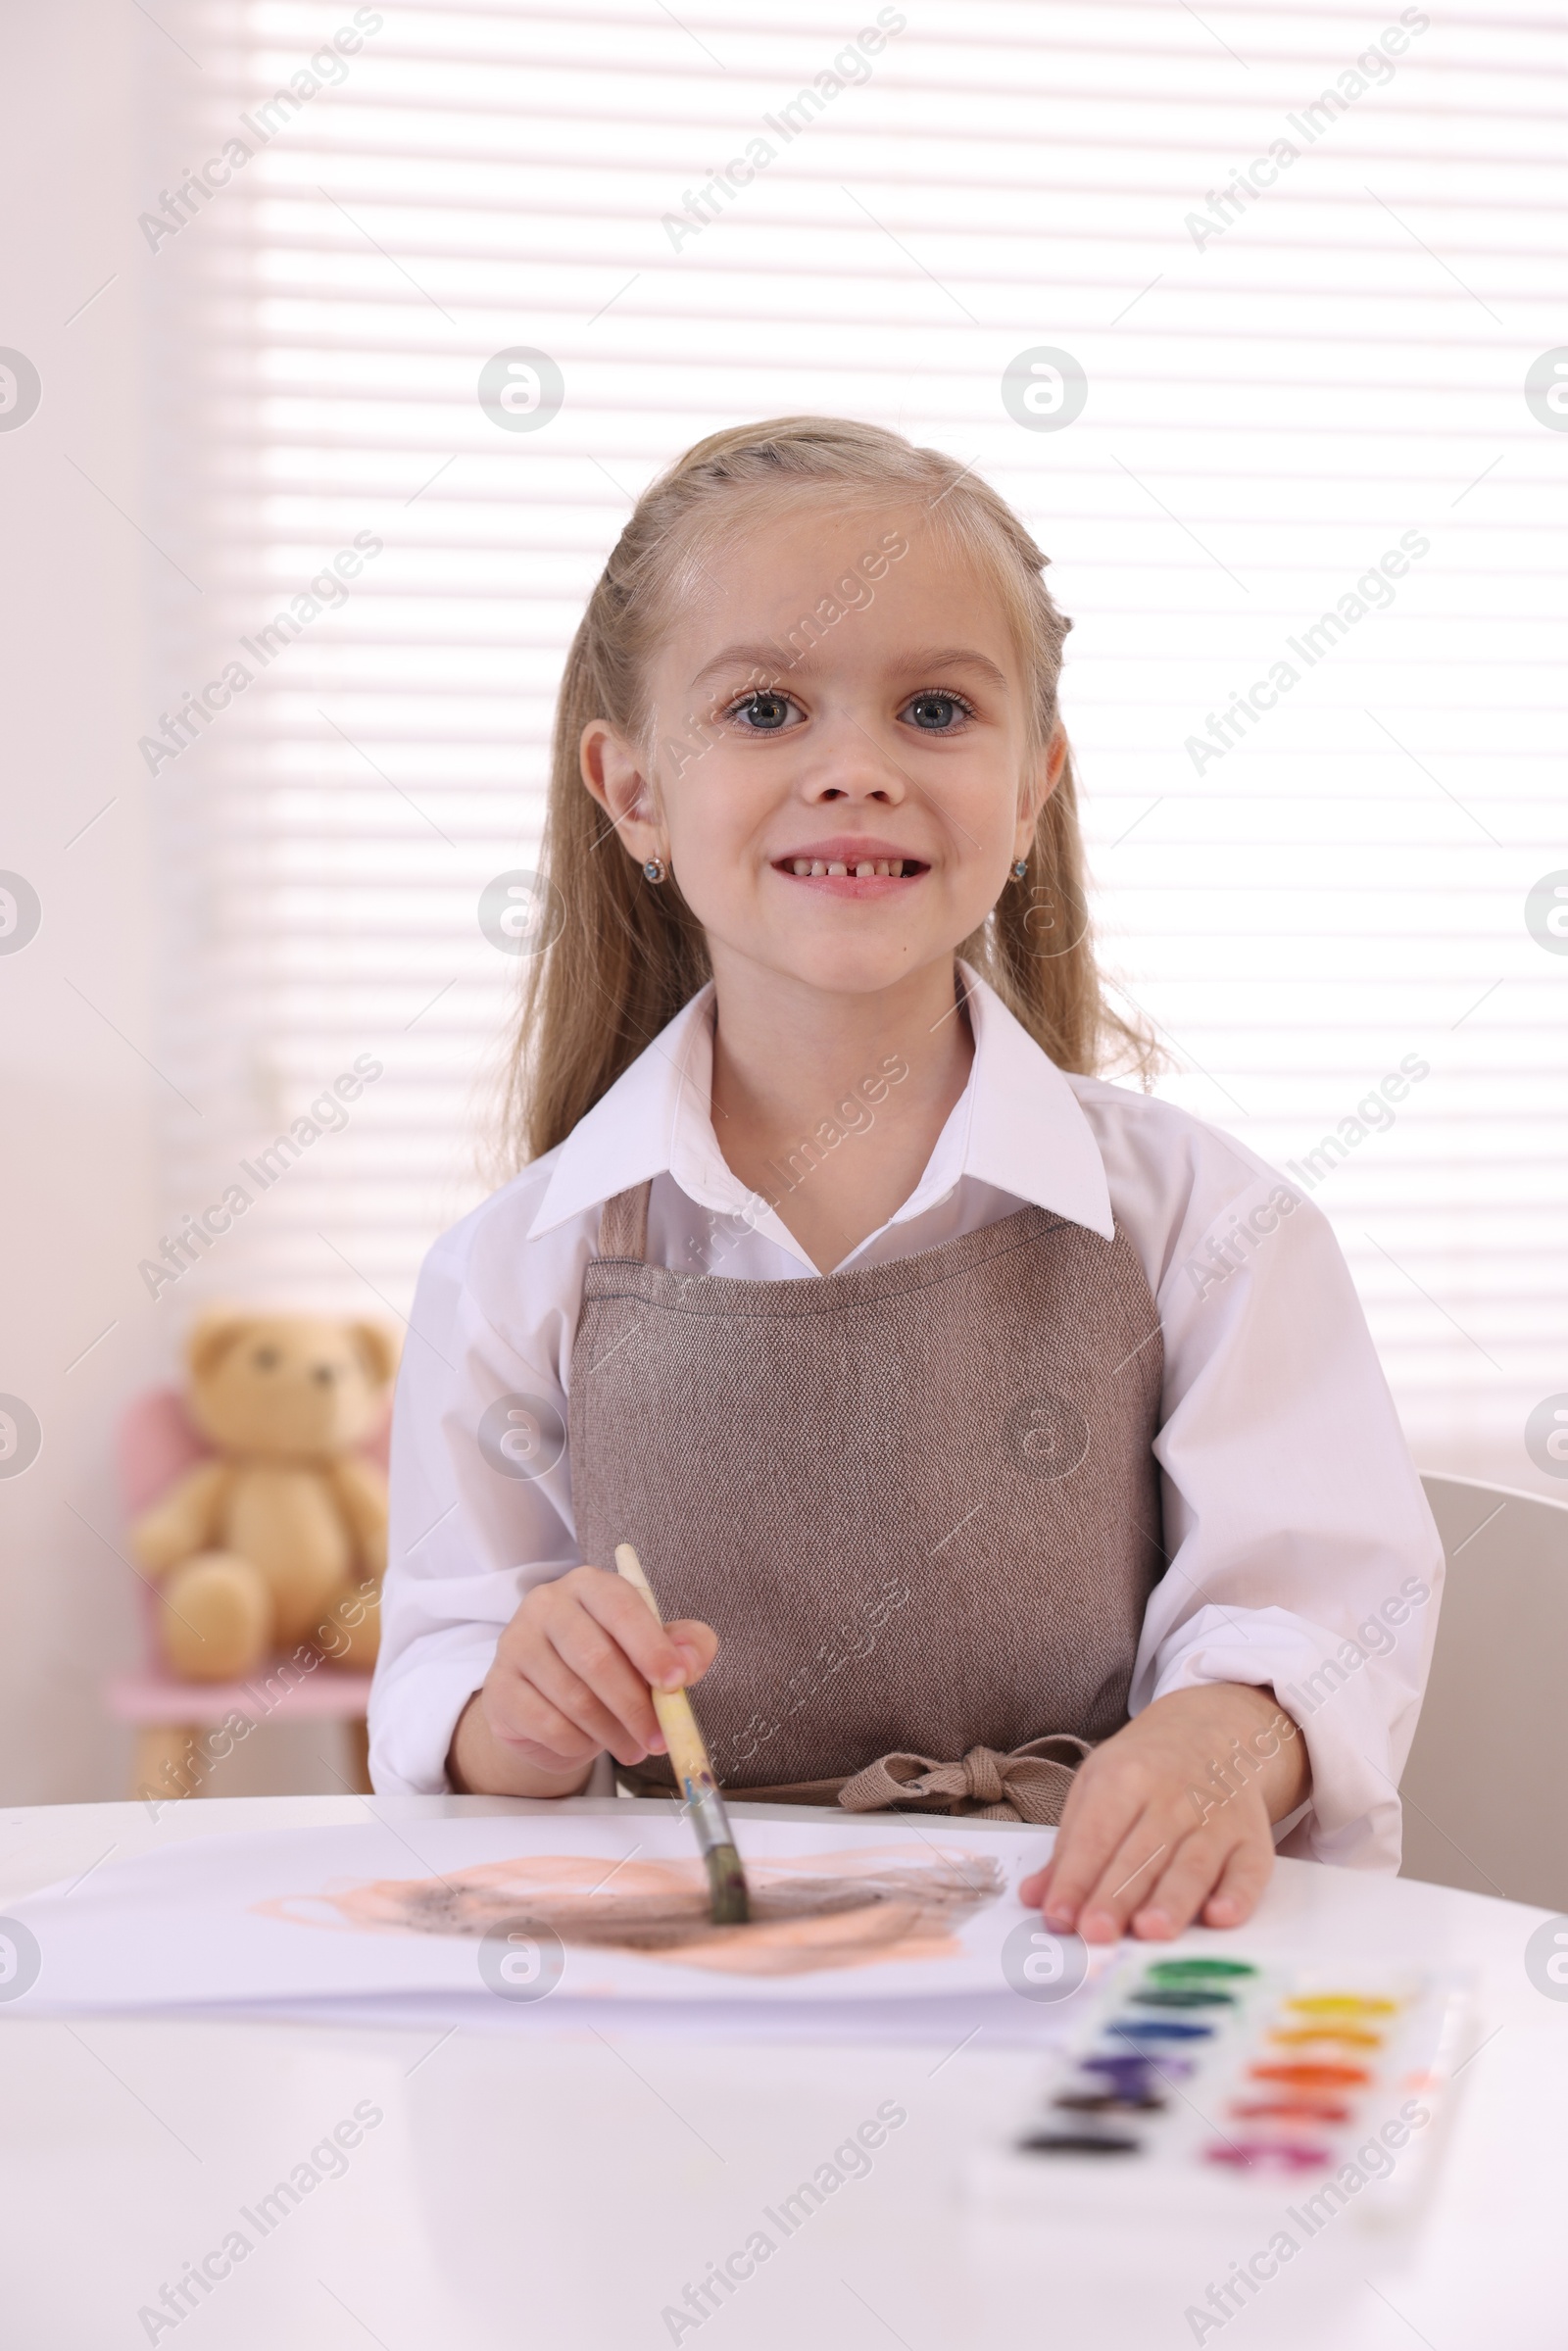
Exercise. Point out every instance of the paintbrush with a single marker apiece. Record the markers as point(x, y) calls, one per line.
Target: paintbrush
point(729, 1904)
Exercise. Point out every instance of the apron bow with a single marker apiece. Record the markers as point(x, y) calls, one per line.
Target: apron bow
point(1030, 1783)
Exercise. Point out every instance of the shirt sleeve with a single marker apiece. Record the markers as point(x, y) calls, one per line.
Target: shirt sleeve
point(480, 1493)
point(1302, 1552)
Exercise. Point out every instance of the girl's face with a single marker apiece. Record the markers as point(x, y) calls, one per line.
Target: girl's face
point(842, 776)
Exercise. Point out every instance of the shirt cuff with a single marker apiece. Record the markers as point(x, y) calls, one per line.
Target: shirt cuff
point(1352, 1817)
point(413, 1716)
point(409, 1759)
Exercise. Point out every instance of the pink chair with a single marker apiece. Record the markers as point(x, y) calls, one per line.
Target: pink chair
point(156, 1445)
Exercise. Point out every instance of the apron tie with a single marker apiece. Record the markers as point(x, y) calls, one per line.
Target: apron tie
point(1030, 1783)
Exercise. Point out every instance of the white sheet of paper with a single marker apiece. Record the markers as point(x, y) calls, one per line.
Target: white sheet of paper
point(326, 1916)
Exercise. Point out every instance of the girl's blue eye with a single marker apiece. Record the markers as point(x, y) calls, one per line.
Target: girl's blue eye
point(937, 714)
point(765, 714)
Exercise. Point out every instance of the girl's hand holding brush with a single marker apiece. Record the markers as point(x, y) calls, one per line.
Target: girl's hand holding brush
point(570, 1680)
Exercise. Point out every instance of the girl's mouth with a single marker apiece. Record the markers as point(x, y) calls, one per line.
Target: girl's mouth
point(852, 876)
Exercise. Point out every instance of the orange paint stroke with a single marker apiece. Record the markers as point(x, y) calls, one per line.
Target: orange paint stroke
point(813, 1912)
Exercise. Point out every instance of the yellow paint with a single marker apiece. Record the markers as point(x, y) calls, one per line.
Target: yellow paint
point(1341, 2004)
point(1343, 2036)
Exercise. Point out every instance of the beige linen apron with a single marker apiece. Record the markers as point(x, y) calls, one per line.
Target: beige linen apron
point(917, 1502)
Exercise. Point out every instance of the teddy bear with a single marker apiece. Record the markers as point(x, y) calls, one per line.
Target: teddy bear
point(282, 1539)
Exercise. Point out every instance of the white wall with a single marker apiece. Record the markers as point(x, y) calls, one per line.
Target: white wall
point(77, 1177)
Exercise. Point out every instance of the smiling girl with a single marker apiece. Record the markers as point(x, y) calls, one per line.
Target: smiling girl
point(995, 1437)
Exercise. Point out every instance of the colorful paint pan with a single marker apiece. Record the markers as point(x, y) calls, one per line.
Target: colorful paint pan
point(1321, 2111)
point(1108, 2101)
point(1199, 1970)
point(1340, 2005)
point(1077, 2142)
point(1279, 2125)
point(1282, 2074)
point(1163, 2063)
point(1339, 2037)
point(1312, 2077)
point(1268, 2155)
point(1159, 2029)
point(1182, 1995)
point(1130, 2074)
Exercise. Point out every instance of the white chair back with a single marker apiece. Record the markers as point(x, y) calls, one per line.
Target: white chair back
point(1485, 1792)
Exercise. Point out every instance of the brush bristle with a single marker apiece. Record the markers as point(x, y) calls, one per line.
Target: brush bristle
point(729, 1903)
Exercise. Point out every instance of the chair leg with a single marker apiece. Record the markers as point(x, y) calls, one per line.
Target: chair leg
point(169, 1762)
point(358, 1736)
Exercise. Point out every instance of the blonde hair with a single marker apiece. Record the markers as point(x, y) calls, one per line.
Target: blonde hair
point(624, 956)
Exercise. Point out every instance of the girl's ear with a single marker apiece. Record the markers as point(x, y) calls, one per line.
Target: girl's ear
point(613, 773)
point(1044, 777)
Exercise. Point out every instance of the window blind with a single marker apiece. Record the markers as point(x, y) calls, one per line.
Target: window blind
point(1251, 312)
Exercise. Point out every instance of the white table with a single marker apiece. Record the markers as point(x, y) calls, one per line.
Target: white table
point(555, 2195)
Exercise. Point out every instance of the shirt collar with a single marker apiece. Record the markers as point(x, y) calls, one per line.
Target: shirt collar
point(1017, 1125)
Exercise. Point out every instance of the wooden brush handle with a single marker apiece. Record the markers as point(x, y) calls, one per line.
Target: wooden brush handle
point(688, 1755)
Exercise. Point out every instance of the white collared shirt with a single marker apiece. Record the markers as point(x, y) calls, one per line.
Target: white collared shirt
point(1302, 1552)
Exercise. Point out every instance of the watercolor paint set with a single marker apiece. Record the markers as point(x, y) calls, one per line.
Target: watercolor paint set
point(1203, 2088)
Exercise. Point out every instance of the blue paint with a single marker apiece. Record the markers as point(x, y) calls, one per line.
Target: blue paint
point(1161, 2030)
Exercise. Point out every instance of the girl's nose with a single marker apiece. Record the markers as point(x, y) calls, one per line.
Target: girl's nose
point(853, 767)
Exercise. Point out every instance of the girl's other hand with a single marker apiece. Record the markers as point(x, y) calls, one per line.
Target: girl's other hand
point(570, 1680)
point(1171, 1819)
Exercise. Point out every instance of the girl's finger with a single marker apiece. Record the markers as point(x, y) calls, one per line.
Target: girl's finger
point(1193, 1870)
point(1245, 1874)
point(626, 1616)
point(698, 1642)
point(573, 1694)
point(520, 1716)
point(1126, 1879)
point(1032, 1889)
point(614, 1693)
point(1092, 1831)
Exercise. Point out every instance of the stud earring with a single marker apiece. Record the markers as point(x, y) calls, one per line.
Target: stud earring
point(656, 871)
point(1020, 869)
